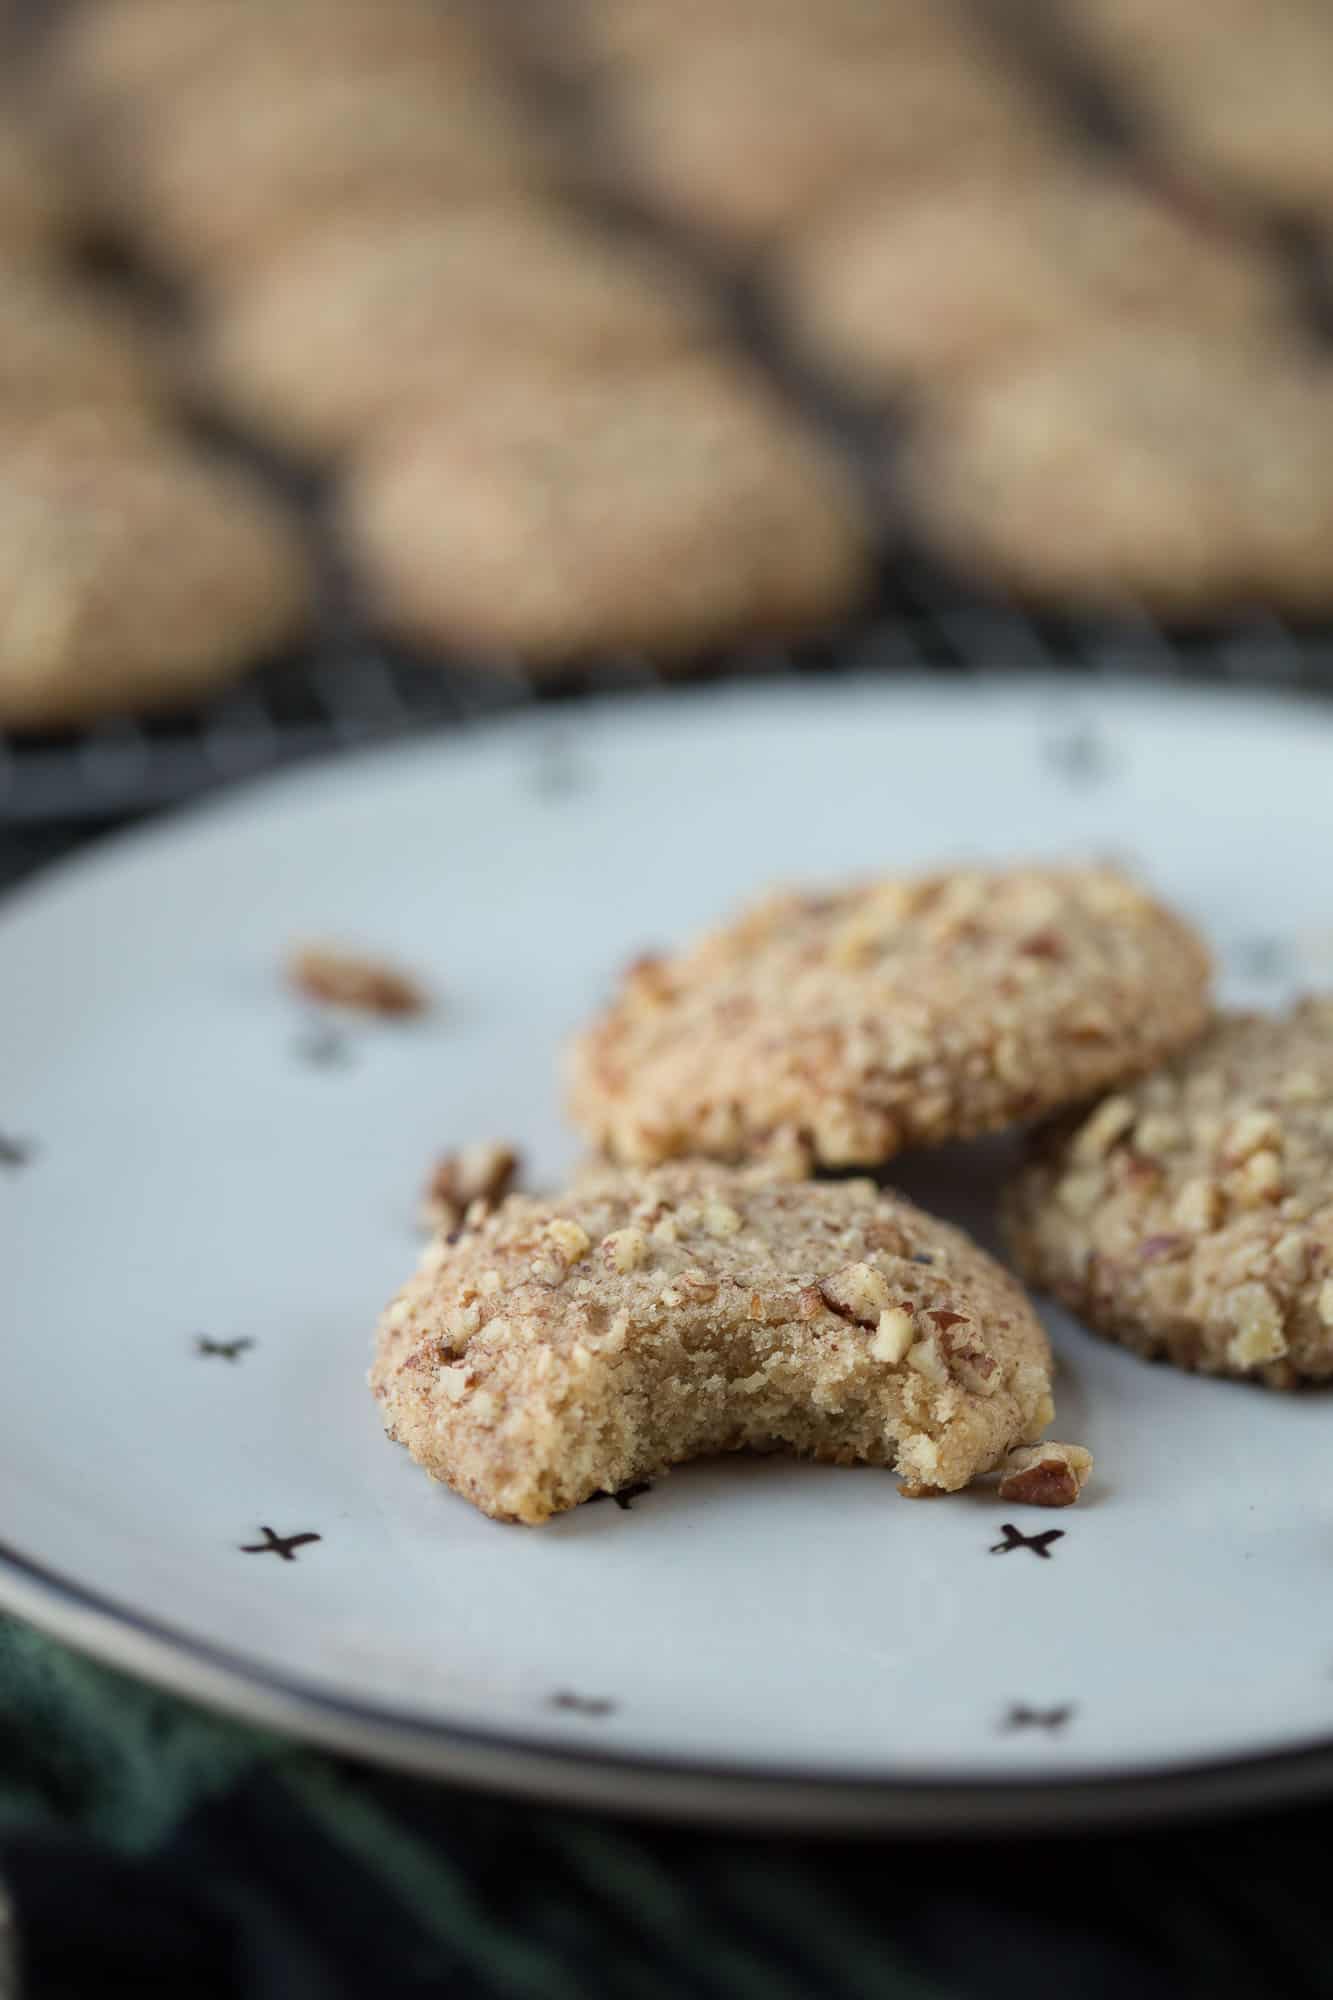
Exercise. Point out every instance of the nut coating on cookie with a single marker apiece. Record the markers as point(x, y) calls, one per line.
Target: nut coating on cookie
point(904, 1011)
point(562, 1347)
point(1190, 1215)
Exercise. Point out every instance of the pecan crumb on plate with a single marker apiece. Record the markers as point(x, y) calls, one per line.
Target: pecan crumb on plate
point(1046, 1475)
point(335, 977)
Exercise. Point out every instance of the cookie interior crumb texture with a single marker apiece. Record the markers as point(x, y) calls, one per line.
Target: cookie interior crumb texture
point(561, 1348)
point(906, 1010)
point(1191, 1215)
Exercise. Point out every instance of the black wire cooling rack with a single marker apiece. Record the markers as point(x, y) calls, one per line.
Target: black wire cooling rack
point(354, 694)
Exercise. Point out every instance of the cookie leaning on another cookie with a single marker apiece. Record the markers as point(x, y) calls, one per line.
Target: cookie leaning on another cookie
point(560, 1348)
point(1190, 1215)
point(666, 509)
point(899, 1012)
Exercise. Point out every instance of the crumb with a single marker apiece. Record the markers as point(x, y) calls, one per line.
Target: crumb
point(1045, 1475)
point(483, 1172)
point(337, 978)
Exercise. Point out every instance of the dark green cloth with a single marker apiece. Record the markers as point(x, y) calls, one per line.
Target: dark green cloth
point(153, 1848)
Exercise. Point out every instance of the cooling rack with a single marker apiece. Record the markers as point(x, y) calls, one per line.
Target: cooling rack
point(355, 693)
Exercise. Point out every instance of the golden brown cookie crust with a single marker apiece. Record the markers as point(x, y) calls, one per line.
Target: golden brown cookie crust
point(559, 1348)
point(1190, 1215)
point(557, 515)
point(904, 1011)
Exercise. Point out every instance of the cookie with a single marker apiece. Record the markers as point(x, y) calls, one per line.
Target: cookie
point(374, 312)
point(223, 174)
point(119, 59)
point(69, 346)
point(617, 37)
point(1163, 469)
point(1191, 1215)
point(1235, 93)
point(34, 211)
point(135, 576)
point(904, 1011)
point(742, 141)
point(561, 1348)
point(665, 509)
point(919, 282)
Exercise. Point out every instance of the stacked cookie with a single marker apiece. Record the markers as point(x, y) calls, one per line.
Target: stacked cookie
point(134, 572)
point(698, 1291)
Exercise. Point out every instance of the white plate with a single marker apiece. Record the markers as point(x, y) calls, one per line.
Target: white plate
point(761, 1640)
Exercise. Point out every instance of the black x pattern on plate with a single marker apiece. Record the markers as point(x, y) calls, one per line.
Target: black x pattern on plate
point(284, 1546)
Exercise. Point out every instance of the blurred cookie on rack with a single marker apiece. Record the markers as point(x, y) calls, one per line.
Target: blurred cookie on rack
point(1233, 94)
point(35, 212)
point(668, 510)
point(613, 39)
point(1168, 469)
point(70, 345)
point(924, 280)
point(134, 574)
point(741, 139)
point(375, 312)
point(223, 173)
point(118, 61)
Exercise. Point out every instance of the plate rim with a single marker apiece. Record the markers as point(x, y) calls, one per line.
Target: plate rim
point(594, 1777)
point(232, 1682)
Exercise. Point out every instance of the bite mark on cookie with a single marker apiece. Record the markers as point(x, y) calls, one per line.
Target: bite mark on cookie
point(564, 1347)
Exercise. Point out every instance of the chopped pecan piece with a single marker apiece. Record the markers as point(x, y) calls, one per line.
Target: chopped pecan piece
point(483, 1172)
point(1045, 1475)
point(338, 978)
